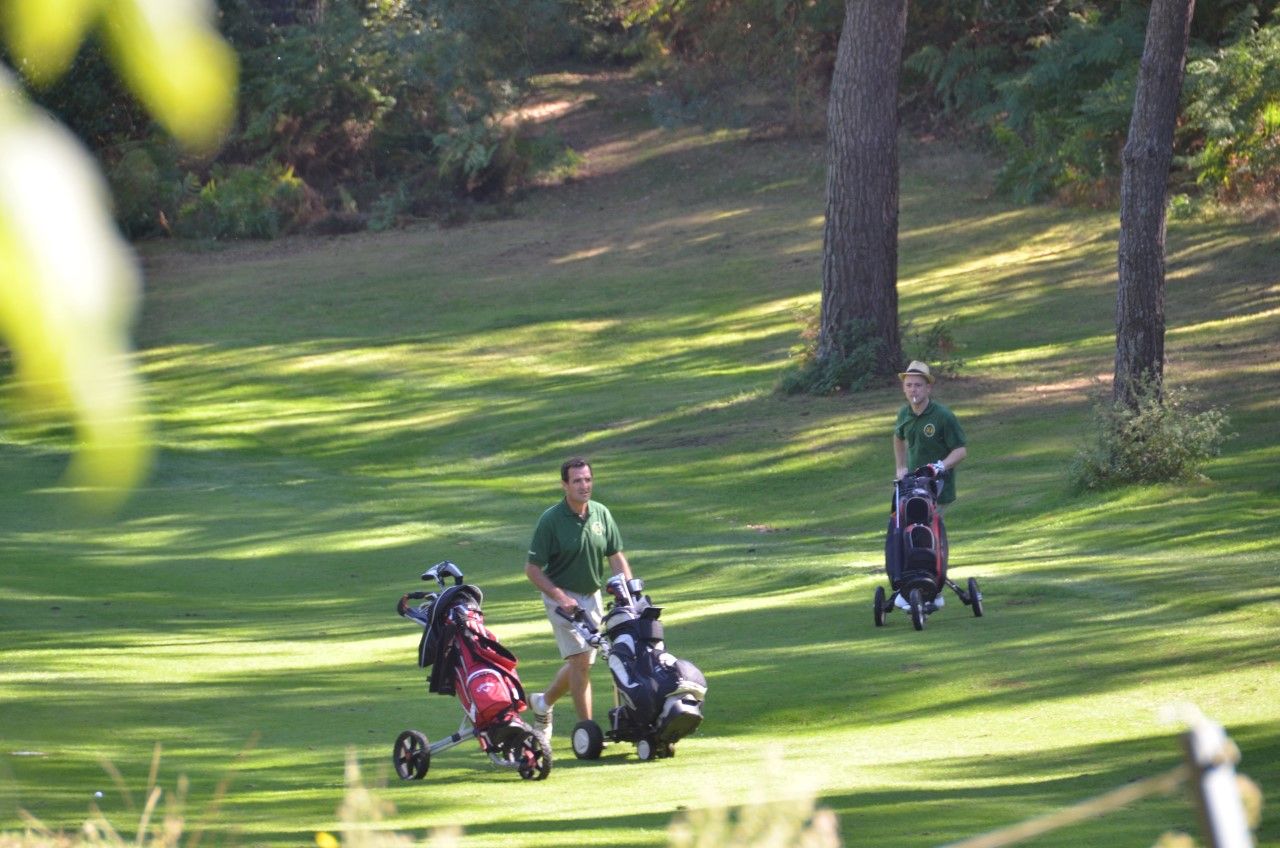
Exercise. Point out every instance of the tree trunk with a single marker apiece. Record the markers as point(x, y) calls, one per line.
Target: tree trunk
point(860, 240)
point(1146, 157)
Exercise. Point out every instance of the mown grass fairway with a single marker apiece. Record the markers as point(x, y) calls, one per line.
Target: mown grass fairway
point(335, 415)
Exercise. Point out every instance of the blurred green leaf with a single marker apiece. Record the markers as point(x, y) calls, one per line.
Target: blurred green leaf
point(176, 63)
point(44, 35)
point(69, 288)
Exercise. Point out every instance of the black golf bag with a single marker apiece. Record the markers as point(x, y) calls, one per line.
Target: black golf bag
point(915, 547)
point(659, 695)
point(915, 553)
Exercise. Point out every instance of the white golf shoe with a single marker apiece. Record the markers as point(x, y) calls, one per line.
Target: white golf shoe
point(541, 718)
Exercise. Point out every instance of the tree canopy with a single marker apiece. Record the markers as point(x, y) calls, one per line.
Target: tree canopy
point(356, 114)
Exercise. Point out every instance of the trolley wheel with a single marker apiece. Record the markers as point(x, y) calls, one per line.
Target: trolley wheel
point(588, 740)
point(917, 609)
point(534, 757)
point(880, 606)
point(411, 755)
point(975, 598)
point(647, 748)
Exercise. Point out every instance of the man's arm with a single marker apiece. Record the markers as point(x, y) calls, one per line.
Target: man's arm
point(954, 458)
point(618, 562)
point(536, 576)
point(899, 457)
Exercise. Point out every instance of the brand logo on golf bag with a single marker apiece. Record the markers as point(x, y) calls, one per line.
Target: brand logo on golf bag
point(485, 696)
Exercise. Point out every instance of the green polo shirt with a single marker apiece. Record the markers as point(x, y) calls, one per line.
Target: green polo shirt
point(572, 551)
point(930, 436)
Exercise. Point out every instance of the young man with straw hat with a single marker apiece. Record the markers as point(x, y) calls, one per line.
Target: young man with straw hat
point(926, 432)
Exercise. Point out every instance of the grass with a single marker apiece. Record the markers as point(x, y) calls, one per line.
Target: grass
point(334, 415)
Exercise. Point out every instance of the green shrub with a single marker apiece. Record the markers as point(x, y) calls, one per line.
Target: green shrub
point(1158, 440)
point(550, 159)
point(935, 344)
point(1064, 119)
point(753, 61)
point(1231, 117)
point(815, 375)
point(247, 202)
point(390, 209)
point(854, 372)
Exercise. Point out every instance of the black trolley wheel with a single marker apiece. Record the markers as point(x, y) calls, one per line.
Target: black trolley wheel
point(880, 606)
point(917, 609)
point(533, 757)
point(411, 755)
point(588, 740)
point(975, 598)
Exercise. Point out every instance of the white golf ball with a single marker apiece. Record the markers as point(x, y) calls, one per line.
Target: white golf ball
point(98, 794)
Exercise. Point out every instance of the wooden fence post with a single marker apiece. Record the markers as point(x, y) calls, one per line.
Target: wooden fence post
point(1211, 757)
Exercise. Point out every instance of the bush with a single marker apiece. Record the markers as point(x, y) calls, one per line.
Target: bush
point(935, 345)
point(1158, 440)
point(1231, 118)
point(753, 61)
point(248, 202)
point(148, 187)
point(550, 159)
point(852, 372)
point(855, 371)
point(1066, 117)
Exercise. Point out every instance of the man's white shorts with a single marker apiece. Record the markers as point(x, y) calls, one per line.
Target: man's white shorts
point(567, 639)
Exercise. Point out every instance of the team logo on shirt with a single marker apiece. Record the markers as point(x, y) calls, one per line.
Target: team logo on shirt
point(929, 430)
point(597, 528)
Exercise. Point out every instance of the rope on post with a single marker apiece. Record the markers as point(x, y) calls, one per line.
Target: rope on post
point(1210, 758)
point(1162, 784)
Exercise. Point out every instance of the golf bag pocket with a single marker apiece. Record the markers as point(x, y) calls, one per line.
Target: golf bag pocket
point(920, 549)
point(682, 707)
point(485, 695)
point(917, 510)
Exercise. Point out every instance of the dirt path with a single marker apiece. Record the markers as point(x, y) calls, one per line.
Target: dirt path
point(595, 113)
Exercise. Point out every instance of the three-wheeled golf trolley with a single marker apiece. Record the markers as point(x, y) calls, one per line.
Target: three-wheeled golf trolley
point(466, 660)
point(915, 552)
point(657, 698)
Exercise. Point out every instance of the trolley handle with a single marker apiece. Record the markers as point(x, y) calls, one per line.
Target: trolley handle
point(581, 625)
point(402, 606)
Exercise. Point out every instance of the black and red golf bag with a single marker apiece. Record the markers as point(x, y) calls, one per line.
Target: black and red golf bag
point(915, 547)
point(466, 659)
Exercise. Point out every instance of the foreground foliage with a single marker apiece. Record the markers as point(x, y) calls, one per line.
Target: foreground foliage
point(69, 285)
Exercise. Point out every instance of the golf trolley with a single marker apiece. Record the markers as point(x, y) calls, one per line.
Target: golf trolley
point(467, 661)
point(657, 698)
point(915, 552)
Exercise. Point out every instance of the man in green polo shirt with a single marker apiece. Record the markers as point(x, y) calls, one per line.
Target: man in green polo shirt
point(927, 433)
point(573, 543)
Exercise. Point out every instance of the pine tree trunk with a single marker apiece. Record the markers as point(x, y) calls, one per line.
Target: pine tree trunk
point(860, 240)
point(1147, 154)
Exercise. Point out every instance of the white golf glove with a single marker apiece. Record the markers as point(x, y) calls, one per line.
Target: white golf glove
point(938, 468)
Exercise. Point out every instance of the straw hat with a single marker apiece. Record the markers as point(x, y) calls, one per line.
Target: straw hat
point(917, 368)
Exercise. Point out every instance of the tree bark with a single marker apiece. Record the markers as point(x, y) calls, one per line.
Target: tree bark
point(1147, 154)
point(860, 239)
